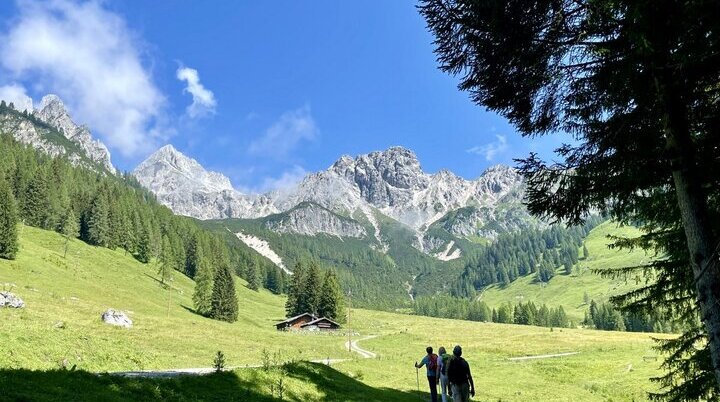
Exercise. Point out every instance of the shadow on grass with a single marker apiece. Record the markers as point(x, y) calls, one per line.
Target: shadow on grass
point(303, 382)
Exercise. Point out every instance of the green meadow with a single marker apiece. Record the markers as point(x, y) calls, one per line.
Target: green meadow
point(61, 326)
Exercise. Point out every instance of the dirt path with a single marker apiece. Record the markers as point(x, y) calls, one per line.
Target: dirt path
point(170, 373)
point(543, 356)
point(362, 352)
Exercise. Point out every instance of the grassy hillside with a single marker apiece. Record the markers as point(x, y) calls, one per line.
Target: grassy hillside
point(65, 298)
point(569, 290)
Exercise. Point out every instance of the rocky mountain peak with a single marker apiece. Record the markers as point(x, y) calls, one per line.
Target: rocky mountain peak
point(53, 112)
point(167, 162)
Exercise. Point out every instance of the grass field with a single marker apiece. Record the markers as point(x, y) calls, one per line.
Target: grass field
point(65, 298)
point(569, 290)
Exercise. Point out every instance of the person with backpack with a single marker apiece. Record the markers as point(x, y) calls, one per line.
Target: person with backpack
point(461, 381)
point(433, 370)
point(443, 360)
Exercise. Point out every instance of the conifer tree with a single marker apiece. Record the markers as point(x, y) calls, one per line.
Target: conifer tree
point(224, 300)
point(309, 299)
point(98, 226)
point(70, 228)
point(144, 252)
point(331, 298)
point(8, 222)
point(292, 305)
point(202, 297)
point(36, 208)
point(586, 253)
point(253, 275)
point(167, 261)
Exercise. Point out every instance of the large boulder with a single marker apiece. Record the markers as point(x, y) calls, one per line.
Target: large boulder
point(8, 299)
point(116, 317)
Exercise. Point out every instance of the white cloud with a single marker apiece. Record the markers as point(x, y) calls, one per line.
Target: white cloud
point(16, 94)
point(489, 151)
point(285, 134)
point(287, 180)
point(203, 99)
point(88, 56)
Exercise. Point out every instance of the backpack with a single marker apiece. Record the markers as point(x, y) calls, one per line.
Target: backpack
point(445, 360)
point(432, 364)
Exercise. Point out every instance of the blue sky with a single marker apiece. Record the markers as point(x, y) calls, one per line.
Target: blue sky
point(261, 91)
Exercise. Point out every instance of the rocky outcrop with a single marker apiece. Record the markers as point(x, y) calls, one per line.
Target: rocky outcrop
point(311, 219)
point(52, 111)
point(116, 317)
point(10, 300)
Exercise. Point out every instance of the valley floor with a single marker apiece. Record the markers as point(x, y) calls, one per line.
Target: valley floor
point(61, 326)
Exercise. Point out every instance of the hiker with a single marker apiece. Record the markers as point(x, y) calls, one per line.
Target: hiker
point(431, 362)
point(459, 376)
point(443, 360)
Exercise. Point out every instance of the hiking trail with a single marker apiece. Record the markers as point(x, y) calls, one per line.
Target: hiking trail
point(549, 356)
point(171, 373)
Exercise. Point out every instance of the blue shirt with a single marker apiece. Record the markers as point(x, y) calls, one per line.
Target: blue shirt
point(426, 361)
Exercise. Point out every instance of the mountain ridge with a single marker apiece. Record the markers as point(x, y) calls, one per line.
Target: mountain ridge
point(391, 182)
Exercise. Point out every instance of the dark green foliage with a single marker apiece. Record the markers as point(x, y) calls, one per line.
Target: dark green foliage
point(274, 280)
point(253, 275)
point(519, 254)
point(219, 361)
point(36, 205)
point(545, 272)
point(463, 309)
point(224, 306)
point(636, 85)
point(331, 298)
point(203, 272)
point(144, 246)
point(292, 305)
point(97, 222)
point(607, 317)
point(8, 222)
point(309, 295)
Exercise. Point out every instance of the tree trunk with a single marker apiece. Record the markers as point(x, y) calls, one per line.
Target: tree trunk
point(693, 206)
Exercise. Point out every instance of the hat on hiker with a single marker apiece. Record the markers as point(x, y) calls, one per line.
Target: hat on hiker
point(457, 351)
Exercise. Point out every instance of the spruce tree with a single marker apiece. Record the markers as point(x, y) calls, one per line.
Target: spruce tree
point(331, 298)
point(70, 228)
point(297, 282)
point(202, 297)
point(253, 275)
point(8, 222)
point(36, 208)
point(98, 225)
point(586, 253)
point(309, 296)
point(166, 261)
point(224, 300)
point(144, 252)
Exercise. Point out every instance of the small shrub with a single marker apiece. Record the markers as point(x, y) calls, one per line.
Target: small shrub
point(266, 360)
point(219, 363)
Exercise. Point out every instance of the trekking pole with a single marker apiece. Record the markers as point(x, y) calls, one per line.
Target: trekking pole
point(417, 376)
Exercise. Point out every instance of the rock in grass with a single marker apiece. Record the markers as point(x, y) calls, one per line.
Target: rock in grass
point(8, 299)
point(116, 317)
